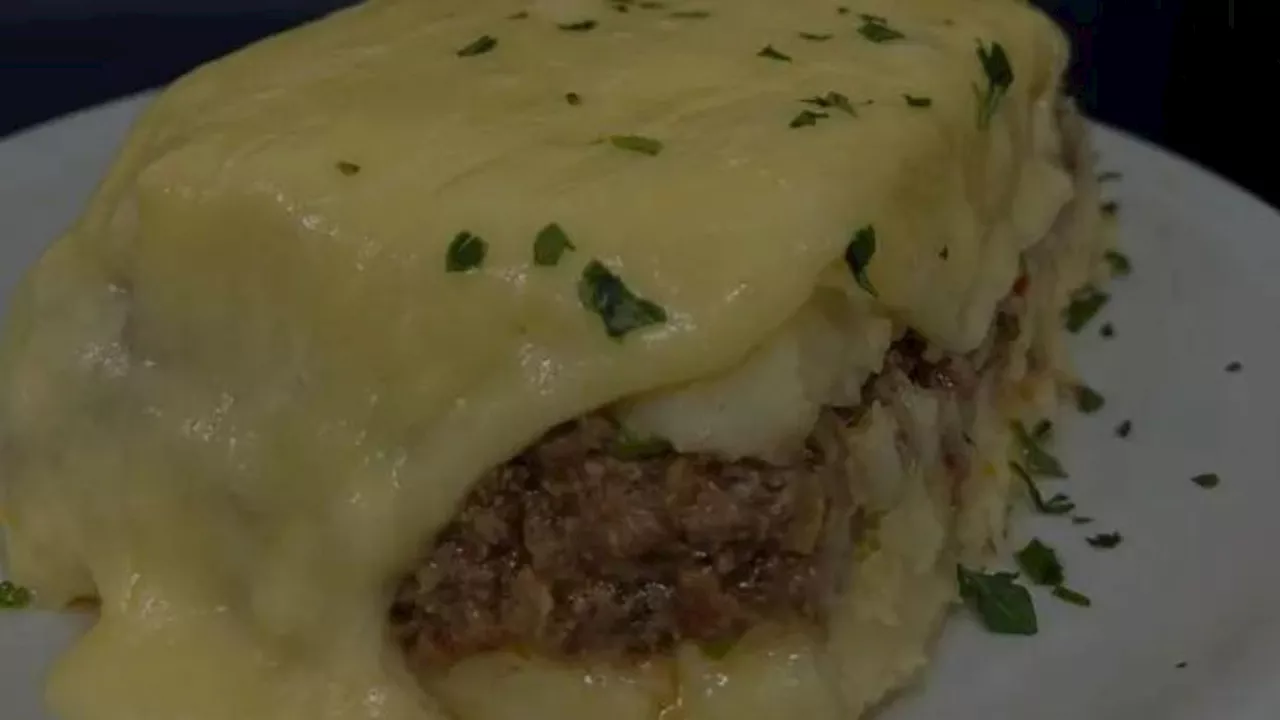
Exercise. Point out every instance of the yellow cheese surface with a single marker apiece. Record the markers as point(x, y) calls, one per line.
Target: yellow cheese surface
point(242, 393)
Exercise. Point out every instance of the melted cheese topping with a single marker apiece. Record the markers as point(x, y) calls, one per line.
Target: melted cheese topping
point(242, 392)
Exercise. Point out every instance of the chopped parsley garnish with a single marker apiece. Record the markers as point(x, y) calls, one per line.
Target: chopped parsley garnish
point(1088, 400)
point(1085, 304)
point(13, 597)
point(1110, 208)
point(999, 77)
point(768, 51)
point(465, 253)
point(691, 14)
point(1109, 176)
point(581, 26)
point(1120, 264)
point(832, 100)
point(1040, 563)
point(1107, 330)
point(1081, 520)
point(1124, 429)
point(806, 118)
point(621, 310)
point(1105, 541)
point(479, 46)
point(636, 143)
point(858, 254)
point(1208, 481)
point(347, 168)
point(550, 245)
point(1181, 665)
point(867, 17)
point(1234, 366)
point(573, 98)
point(816, 37)
point(1037, 461)
point(628, 446)
point(842, 10)
point(1066, 594)
point(917, 102)
point(1001, 604)
point(518, 16)
point(1059, 504)
point(877, 30)
point(944, 253)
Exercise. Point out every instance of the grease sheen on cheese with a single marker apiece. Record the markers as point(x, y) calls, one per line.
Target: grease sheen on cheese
point(242, 391)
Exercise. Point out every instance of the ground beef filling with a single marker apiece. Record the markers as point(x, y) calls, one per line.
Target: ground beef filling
point(591, 544)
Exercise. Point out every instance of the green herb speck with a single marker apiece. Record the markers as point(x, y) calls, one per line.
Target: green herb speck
point(877, 30)
point(805, 118)
point(1040, 563)
point(581, 26)
point(858, 254)
point(636, 143)
point(1036, 460)
point(691, 14)
point(1066, 594)
point(1110, 208)
point(999, 77)
point(1207, 481)
point(479, 46)
point(1000, 603)
point(1234, 366)
point(348, 168)
point(1088, 400)
point(550, 245)
point(14, 597)
point(1124, 429)
point(1105, 541)
point(917, 102)
point(832, 100)
point(1120, 264)
point(816, 37)
point(768, 51)
point(620, 310)
point(1059, 504)
point(465, 253)
point(573, 98)
point(1085, 304)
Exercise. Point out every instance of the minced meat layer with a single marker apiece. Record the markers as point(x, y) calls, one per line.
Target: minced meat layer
point(590, 543)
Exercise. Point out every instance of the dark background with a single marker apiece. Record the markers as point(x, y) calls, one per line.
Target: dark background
point(1197, 76)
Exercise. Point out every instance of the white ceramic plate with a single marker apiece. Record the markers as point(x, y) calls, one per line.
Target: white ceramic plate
point(1193, 582)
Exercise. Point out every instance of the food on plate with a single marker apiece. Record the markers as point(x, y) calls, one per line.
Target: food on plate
point(489, 360)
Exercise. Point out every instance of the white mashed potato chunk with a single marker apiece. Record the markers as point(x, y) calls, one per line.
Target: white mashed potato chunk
point(768, 404)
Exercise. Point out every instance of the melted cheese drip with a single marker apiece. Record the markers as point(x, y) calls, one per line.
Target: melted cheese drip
point(241, 394)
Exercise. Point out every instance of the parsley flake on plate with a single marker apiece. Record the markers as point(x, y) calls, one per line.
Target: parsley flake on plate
point(1208, 481)
point(1001, 604)
point(1068, 595)
point(580, 26)
point(1105, 541)
point(917, 101)
point(1037, 461)
point(1058, 504)
point(1040, 563)
point(1088, 400)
